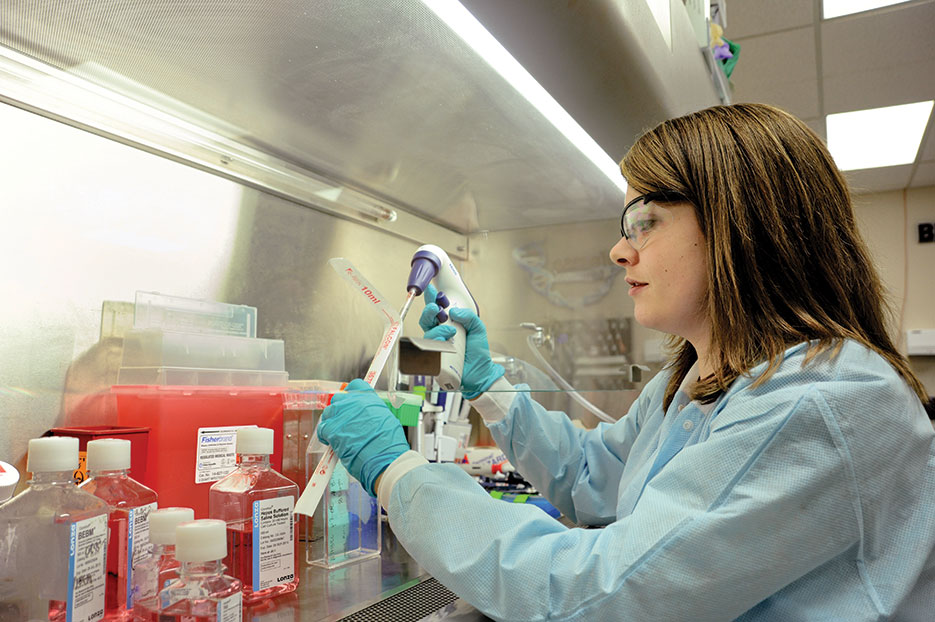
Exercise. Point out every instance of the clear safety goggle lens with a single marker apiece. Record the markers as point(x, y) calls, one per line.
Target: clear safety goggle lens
point(641, 217)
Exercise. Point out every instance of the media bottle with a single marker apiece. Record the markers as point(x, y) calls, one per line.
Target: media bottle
point(130, 504)
point(162, 567)
point(202, 592)
point(256, 502)
point(53, 541)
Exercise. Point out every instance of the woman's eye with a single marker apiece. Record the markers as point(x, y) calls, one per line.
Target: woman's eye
point(645, 225)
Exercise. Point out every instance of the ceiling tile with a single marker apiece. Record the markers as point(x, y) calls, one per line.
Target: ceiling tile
point(798, 98)
point(779, 69)
point(879, 39)
point(755, 17)
point(818, 126)
point(924, 175)
point(928, 143)
point(899, 83)
point(879, 58)
point(784, 56)
point(879, 179)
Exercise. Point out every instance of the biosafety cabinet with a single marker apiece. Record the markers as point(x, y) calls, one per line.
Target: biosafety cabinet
point(225, 151)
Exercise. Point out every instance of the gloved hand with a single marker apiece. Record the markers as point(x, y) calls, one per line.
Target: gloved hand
point(479, 371)
point(363, 433)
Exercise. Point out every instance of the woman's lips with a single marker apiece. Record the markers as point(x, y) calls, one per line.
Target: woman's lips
point(635, 286)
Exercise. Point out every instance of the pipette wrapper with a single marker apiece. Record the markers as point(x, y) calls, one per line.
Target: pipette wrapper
point(393, 322)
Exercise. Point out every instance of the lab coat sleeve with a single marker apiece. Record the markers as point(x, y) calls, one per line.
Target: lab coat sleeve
point(577, 470)
point(768, 497)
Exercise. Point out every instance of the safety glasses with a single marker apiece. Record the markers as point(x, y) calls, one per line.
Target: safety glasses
point(644, 215)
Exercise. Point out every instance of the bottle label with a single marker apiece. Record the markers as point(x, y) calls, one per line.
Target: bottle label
point(87, 554)
point(138, 546)
point(230, 608)
point(273, 544)
point(216, 455)
point(81, 473)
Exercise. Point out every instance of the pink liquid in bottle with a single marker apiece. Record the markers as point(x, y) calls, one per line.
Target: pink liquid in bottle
point(256, 502)
point(52, 562)
point(162, 568)
point(130, 504)
point(202, 593)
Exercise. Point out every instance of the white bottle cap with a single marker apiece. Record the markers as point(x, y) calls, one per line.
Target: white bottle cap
point(202, 540)
point(52, 453)
point(9, 477)
point(254, 441)
point(108, 454)
point(162, 523)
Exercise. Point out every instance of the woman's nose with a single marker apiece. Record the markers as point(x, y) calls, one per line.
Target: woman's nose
point(622, 253)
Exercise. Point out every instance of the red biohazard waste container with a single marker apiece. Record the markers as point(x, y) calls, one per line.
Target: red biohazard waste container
point(192, 434)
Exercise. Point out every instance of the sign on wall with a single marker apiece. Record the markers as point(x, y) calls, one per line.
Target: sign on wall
point(926, 232)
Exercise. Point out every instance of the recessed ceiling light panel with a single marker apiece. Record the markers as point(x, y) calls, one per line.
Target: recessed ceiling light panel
point(877, 137)
point(837, 8)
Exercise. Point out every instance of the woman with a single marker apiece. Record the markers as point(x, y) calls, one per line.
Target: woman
point(781, 467)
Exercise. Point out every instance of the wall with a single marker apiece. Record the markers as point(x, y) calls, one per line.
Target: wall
point(889, 223)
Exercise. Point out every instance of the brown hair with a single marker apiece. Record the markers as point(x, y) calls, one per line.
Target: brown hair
point(786, 262)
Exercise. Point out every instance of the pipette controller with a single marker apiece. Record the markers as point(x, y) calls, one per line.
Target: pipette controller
point(432, 263)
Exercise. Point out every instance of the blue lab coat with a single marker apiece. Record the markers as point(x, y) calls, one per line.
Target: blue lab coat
point(808, 497)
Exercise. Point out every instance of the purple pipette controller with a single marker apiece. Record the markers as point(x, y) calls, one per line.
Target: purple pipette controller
point(431, 263)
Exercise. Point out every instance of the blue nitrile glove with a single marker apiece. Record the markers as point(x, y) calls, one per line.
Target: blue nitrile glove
point(479, 371)
point(363, 432)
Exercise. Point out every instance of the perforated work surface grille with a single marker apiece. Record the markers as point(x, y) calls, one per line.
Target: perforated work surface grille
point(411, 604)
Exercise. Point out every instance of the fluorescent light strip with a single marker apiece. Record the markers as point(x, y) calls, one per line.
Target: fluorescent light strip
point(46, 89)
point(466, 26)
point(877, 137)
point(837, 8)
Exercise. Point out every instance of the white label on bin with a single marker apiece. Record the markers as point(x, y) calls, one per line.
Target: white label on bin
point(273, 544)
point(138, 545)
point(230, 608)
point(87, 555)
point(217, 452)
